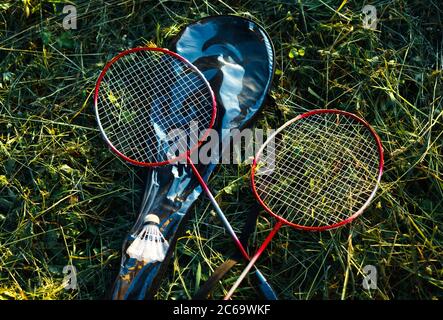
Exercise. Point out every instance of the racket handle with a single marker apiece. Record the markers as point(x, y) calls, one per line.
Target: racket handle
point(265, 287)
point(253, 260)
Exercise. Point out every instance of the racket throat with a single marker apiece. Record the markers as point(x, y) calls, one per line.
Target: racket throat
point(268, 239)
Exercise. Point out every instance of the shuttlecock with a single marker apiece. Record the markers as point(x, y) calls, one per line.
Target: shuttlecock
point(149, 245)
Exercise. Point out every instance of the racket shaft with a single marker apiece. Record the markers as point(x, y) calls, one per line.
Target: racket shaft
point(264, 285)
point(253, 260)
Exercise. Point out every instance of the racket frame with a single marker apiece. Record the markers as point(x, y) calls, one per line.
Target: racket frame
point(182, 156)
point(281, 221)
point(288, 123)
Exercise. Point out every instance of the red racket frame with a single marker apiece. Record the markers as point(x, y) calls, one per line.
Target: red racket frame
point(280, 220)
point(355, 215)
point(182, 156)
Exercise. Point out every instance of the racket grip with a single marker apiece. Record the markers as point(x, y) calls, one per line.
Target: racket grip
point(265, 287)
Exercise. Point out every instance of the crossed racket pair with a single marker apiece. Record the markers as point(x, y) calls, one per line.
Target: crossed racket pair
point(318, 171)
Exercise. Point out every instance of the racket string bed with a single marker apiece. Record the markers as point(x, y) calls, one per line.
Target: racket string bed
point(144, 97)
point(308, 191)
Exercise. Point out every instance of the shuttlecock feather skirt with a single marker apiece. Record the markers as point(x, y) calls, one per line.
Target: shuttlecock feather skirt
point(149, 245)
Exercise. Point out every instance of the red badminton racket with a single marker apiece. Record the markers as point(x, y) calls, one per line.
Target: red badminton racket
point(320, 171)
point(154, 108)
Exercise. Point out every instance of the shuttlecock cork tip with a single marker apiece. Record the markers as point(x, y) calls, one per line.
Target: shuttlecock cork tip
point(152, 218)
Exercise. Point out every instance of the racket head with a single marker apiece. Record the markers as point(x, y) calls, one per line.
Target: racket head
point(151, 88)
point(374, 155)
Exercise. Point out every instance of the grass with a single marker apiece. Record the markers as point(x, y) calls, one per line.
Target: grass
point(64, 199)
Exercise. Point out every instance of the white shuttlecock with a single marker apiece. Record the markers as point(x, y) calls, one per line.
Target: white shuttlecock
point(149, 245)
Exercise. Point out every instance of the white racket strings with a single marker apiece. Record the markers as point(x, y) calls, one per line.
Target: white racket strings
point(326, 167)
point(151, 105)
